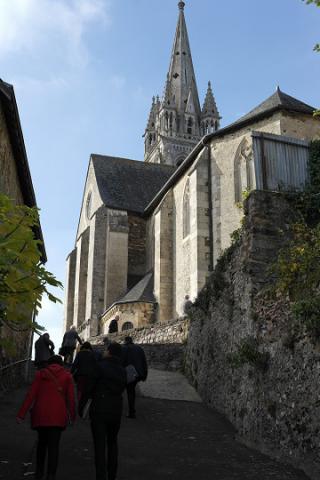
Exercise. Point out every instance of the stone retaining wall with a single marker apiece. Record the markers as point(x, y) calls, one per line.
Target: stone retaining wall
point(274, 406)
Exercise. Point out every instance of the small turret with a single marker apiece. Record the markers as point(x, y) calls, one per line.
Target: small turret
point(210, 118)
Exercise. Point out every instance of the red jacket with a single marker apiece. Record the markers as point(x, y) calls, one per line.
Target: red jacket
point(50, 397)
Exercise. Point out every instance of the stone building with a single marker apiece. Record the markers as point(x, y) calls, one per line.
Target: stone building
point(151, 232)
point(15, 178)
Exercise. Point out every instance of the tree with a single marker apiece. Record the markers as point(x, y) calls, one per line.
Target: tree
point(23, 278)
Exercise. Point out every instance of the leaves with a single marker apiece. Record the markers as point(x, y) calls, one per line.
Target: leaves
point(23, 278)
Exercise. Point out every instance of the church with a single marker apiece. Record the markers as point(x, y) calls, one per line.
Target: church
point(150, 232)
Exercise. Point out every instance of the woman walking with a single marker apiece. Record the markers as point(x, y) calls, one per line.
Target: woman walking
point(51, 400)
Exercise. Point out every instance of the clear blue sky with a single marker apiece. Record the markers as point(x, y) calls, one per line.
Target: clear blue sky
point(84, 73)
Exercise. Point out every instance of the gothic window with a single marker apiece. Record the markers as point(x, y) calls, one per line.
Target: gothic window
point(166, 116)
point(207, 127)
point(186, 210)
point(171, 122)
point(190, 124)
point(216, 125)
point(127, 326)
point(150, 139)
point(89, 205)
point(212, 127)
point(243, 170)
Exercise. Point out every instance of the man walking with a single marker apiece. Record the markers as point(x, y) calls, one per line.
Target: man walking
point(69, 344)
point(106, 410)
point(44, 349)
point(134, 355)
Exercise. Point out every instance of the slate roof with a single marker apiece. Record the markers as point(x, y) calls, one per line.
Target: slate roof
point(141, 292)
point(128, 184)
point(11, 113)
point(279, 100)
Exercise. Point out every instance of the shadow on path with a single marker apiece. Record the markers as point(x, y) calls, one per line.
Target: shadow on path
point(169, 439)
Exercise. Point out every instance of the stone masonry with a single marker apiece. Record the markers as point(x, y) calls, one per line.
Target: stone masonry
point(274, 408)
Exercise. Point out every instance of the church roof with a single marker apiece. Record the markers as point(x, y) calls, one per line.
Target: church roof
point(141, 292)
point(278, 101)
point(128, 184)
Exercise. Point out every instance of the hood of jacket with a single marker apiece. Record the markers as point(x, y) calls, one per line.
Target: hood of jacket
point(52, 370)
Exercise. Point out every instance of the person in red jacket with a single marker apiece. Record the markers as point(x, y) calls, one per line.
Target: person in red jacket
point(52, 403)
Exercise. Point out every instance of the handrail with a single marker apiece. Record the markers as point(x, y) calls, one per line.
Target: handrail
point(14, 364)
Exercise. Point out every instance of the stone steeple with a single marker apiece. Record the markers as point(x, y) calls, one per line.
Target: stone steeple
point(176, 123)
point(210, 118)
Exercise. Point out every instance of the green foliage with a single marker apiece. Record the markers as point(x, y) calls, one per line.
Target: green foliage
point(307, 312)
point(248, 353)
point(23, 278)
point(297, 267)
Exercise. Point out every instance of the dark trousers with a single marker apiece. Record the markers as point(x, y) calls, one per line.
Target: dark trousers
point(131, 392)
point(105, 428)
point(48, 444)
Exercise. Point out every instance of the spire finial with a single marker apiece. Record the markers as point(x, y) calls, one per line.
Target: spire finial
point(181, 5)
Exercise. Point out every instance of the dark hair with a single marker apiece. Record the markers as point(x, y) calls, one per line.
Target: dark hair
point(128, 340)
point(55, 359)
point(86, 346)
point(115, 349)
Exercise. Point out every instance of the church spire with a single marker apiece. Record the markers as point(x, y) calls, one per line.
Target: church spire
point(181, 72)
point(210, 119)
point(176, 122)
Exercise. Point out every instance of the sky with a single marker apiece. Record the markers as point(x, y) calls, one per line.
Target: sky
point(84, 73)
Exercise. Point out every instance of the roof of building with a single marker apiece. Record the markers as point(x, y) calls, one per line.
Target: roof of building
point(11, 113)
point(279, 101)
point(128, 184)
point(142, 292)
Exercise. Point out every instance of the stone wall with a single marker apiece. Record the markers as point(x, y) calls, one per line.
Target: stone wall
point(136, 249)
point(173, 332)
point(274, 404)
point(164, 344)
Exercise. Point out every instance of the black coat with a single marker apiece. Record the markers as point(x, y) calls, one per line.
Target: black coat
point(85, 364)
point(106, 393)
point(134, 355)
point(44, 349)
point(70, 339)
point(113, 327)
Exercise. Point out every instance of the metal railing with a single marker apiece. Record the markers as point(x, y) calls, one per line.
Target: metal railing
point(14, 374)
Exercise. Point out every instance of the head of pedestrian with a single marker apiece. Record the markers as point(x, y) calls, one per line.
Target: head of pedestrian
point(72, 327)
point(46, 336)
point(86, 346)
point(128, 340)
point(55, 360)
point(187, 297)
point(114, 349)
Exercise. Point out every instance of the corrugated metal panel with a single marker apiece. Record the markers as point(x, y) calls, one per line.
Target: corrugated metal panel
point(281, 163)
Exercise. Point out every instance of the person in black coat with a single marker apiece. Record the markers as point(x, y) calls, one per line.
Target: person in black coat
point(113, 327)
point(44, 349)
point(83, 368)
point(106, 410)
point(134, 355)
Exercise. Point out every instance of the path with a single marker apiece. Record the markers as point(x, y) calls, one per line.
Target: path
point(176, 439)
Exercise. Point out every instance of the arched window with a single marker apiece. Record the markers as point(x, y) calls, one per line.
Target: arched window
point(127, 326)
point(190, 124)
point(186, 210)
point(243, 170)
point(150, 139)
point(166, 116)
